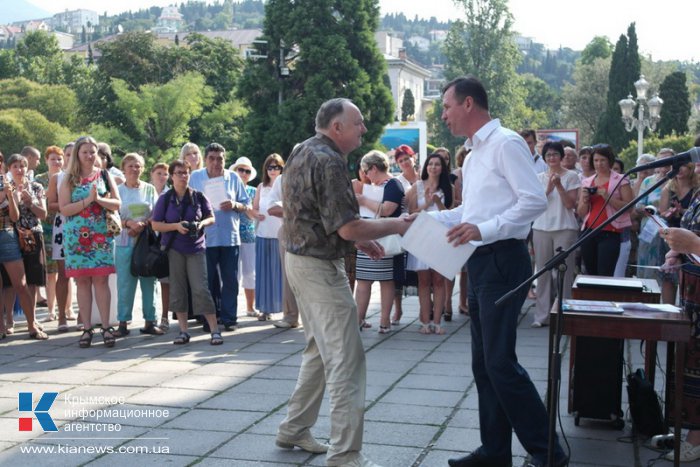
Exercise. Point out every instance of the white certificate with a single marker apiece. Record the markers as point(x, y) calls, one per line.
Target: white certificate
point(215, 191)
point(426, 239)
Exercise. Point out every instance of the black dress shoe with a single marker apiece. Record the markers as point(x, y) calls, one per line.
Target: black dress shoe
point(476, 459)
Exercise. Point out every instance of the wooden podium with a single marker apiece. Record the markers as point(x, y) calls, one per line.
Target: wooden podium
point(672, 328)
point(651, 293)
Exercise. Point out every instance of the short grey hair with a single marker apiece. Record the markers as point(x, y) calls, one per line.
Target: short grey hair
point(376, 159)
point(330, 110)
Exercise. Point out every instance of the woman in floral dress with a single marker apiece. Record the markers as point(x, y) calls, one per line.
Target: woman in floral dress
point(86, 193)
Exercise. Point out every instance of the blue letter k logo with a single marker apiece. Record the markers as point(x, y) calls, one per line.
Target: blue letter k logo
point(41, 411)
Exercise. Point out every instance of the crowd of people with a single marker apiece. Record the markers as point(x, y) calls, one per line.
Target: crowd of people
point(302, 243)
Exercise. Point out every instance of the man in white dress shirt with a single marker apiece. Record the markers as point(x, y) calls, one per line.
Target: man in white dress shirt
point(501, 197)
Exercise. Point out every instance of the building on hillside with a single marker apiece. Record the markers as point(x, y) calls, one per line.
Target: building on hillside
point(241, 39)
point(73, 21)
point(170, 21)
point(65, 41)
point(405, 74)
point(388, 43)
point(420, 42)
point(438, 35)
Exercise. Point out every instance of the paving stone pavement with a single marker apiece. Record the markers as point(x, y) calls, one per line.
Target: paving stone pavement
point(220, 405)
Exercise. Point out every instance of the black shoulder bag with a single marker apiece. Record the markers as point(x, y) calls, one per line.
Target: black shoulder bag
point(149, 258)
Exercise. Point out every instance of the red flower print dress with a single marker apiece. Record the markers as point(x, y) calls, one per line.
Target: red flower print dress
point(88, 246)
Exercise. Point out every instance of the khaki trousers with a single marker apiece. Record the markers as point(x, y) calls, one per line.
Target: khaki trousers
point(290, 310)
point(333, 357)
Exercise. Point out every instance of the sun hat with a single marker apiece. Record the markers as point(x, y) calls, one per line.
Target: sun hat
point(244, 162)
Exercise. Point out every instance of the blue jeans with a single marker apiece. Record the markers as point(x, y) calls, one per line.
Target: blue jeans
point(126, 288)
point(222, 271)
point(507, 398)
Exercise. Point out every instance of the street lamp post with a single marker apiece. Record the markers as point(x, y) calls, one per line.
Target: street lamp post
point(641, 121)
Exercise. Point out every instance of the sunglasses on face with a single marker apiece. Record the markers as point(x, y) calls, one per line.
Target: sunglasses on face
point(244, 171)
point(274, 167)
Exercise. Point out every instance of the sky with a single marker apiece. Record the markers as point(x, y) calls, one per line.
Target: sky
point(666, 30)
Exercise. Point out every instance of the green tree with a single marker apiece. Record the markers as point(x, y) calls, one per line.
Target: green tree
point(624, 71)
point(653, 143)
point(483, 45)
point(39, 58)
point(542, 103)
point(439, 134)
point(585, 100)
point(408, 105)
point(330, 51)
point(161, 114)
point(599, 47)
point(676, 109)
point(57, 103)
point(19, 127)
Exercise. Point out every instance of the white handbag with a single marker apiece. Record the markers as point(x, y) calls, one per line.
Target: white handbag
point(390, 243)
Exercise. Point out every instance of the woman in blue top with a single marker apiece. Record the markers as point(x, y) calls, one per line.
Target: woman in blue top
point(138, 199)
point(376, 165)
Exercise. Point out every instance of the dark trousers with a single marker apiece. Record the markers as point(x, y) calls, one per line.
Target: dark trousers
point(600, 253)
point(507, 398)
point(222, 270)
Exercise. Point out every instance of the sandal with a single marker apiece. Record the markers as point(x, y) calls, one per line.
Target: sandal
point(9, 331)
point(183, 338)
point(463, 310)
point(426, 328)
point(39, 335)
point(437, 329)
point(365, 325)
point(122, 330)
point(63, 328)
point(108, 336)
point(396, 320)
point(152, 329)
point(384, 329)
point(86, 339)
point(164, 324)
point(216, 338)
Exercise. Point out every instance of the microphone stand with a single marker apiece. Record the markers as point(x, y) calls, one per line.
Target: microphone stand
point(559, 261)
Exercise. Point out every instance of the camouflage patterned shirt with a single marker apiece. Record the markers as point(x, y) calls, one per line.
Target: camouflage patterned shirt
point(317, 200)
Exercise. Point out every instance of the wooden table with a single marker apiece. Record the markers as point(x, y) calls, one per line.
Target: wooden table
point(673, 328)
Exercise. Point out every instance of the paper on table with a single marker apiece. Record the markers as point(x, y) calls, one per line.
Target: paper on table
point(426, 239)
point(215, 191)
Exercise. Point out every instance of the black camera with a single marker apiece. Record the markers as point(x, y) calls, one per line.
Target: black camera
point(592, 190)
point(192, 229)
point(662, 441)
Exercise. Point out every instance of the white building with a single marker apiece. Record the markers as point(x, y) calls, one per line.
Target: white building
point(419, 41)
point(73, 21)
point(405, 74)
point(170, 20)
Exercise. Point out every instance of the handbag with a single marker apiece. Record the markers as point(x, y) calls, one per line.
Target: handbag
point(390, 243)
point(114, 220)
point(149, 258)
point(26, 239)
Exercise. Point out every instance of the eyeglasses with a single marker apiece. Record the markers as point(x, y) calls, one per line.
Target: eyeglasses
point(244, 171)
point(552, 154)
point(274, 167)
point(181, 174)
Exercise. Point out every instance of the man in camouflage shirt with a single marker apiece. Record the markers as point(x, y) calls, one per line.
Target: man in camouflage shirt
point(321, 223)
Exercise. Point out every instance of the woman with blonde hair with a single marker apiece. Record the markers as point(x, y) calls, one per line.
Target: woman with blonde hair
point(85, 195)
point(191, 153)
point(268, 267)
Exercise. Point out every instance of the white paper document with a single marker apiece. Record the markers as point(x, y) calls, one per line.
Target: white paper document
point(426, 239)
point(215, 191)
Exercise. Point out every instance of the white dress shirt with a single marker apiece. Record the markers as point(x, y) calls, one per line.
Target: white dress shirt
point(540, 164)
point(501, 194)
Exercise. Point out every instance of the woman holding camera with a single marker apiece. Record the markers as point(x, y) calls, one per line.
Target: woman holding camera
point(181, 214)
point(600, 253)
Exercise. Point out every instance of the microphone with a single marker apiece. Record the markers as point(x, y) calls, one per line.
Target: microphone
point(691, 155)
